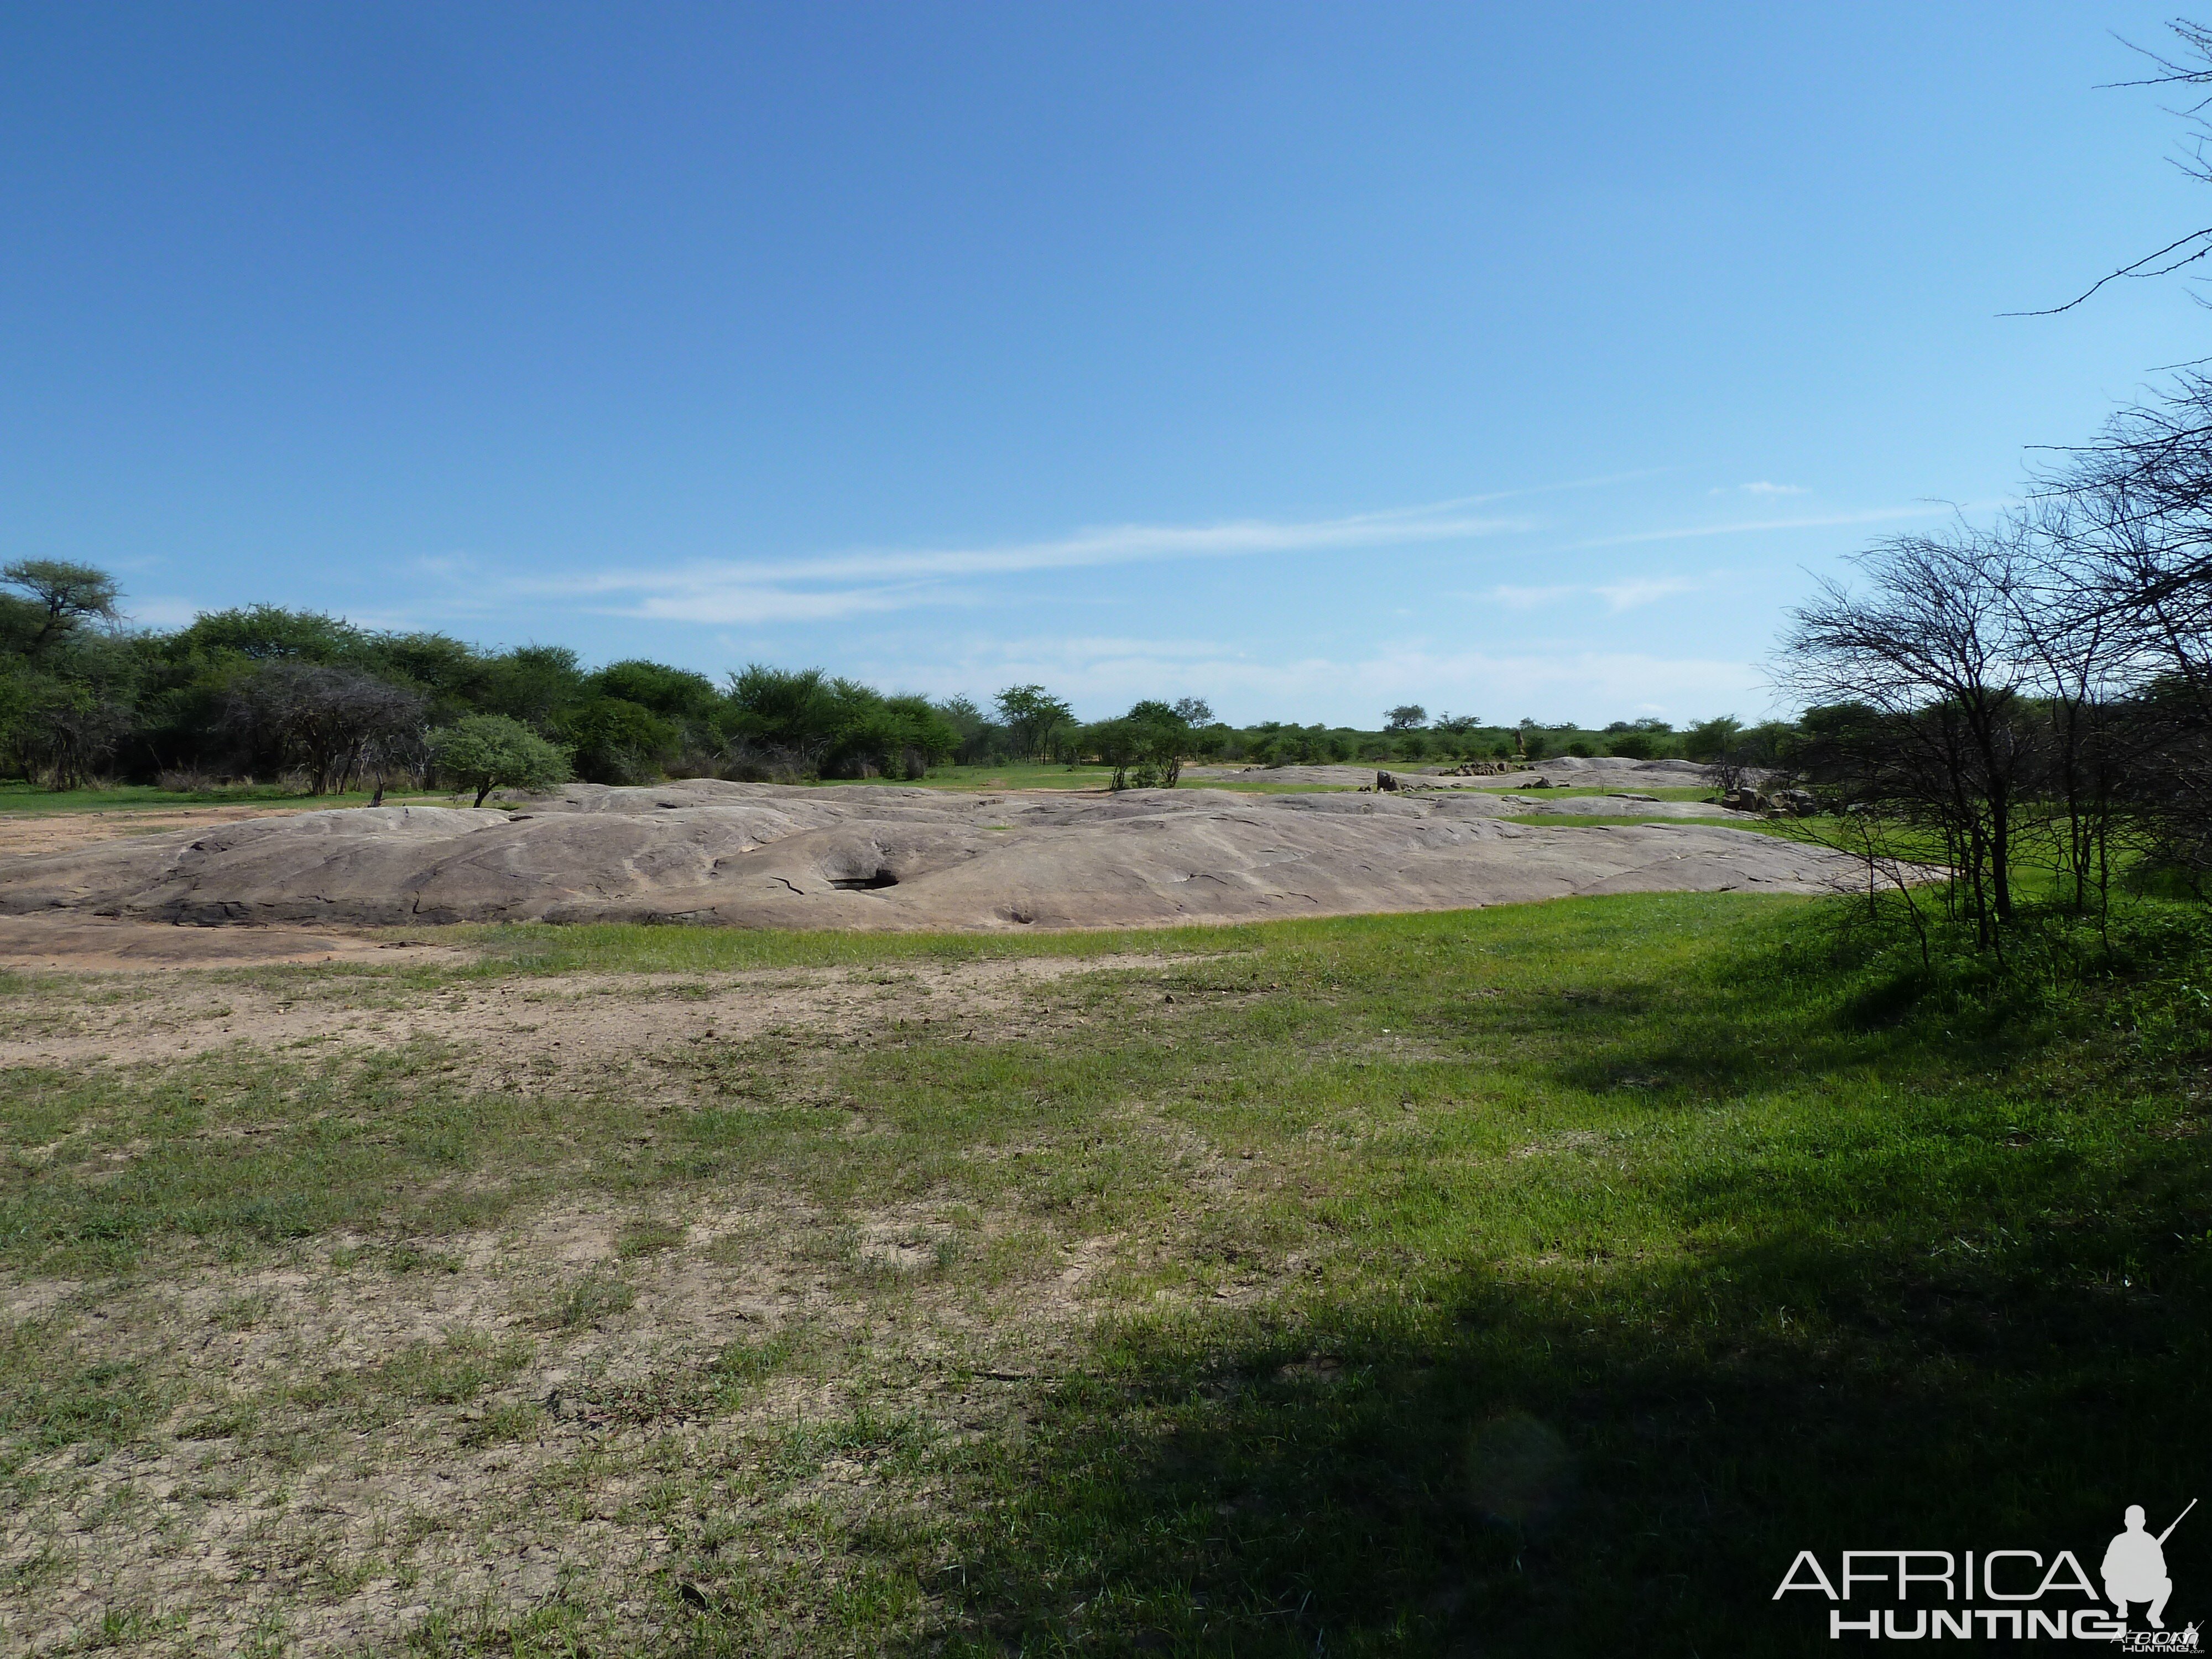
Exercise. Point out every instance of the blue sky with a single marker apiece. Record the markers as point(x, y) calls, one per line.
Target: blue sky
point(1516, 360)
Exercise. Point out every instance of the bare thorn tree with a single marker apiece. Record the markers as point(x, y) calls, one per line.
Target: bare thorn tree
point(1916, 693)
point(329, 719)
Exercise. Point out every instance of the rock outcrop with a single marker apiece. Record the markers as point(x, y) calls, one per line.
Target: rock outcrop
point(769, 855)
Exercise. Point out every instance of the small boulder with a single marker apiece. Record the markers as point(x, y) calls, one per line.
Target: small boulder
point(1386, 781)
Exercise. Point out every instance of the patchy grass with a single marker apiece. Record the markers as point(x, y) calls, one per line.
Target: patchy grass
point(1602, 820)
point(1051, 775)
point(1569, 792)
point(630, 948)
point(1407, 1284)
point(17, 797)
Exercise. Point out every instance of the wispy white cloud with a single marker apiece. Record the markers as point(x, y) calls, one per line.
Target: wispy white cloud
point(160, 610)
point(1761, 487)
point(833, 585)
point(1103, 676)
point(1744, 527)
point(1529, 598)
point(1618, 596)
point(1636, 590)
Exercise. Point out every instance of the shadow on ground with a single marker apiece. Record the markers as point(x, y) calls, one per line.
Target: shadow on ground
point(1481, 1467)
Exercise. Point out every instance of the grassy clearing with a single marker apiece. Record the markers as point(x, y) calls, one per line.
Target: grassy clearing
point(1600, 820)
point(1404, 1285)
point(17, 797)
point(626, 948)
point(1569, 792)
point(1050, 774)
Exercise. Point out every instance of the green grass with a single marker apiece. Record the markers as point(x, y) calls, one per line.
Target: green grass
point(17, 797)
point(1600, 820)
point(1047, 775)
point(1505, 787)
point(1480, 1278)
point(629, 948)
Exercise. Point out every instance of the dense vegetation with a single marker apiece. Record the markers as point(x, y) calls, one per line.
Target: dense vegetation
point(263, 693)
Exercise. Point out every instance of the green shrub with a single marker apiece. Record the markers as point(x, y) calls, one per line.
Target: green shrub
point(486, 752)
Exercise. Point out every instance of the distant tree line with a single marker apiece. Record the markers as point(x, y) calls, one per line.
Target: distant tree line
point(268, 695)
point(265, 693)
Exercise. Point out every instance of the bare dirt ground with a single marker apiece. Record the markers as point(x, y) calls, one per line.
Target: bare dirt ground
point(353, 1436)
point(508, 1025)
point(22, 833)
point(96, 942)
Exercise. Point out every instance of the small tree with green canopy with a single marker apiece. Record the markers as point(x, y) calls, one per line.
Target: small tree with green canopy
point(1718, 745)
point(1117, 743)
point(1032, 715)
point(62, 598)
point(1165, 741)
point(1152, 738)
point(1405, 717)
point(486, 752)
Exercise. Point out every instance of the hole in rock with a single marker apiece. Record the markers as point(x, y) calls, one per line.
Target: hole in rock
point(861, 883)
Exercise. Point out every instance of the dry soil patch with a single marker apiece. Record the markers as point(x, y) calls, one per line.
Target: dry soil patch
point(507, 1026)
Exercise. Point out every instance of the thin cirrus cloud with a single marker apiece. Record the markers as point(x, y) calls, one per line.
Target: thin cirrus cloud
point(1103, 675)
point(1749, 526)
point(1617, 597)
point(1760, 488)
point(820, 589)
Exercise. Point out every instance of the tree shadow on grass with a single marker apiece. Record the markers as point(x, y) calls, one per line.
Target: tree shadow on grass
point(1632, 1457)
point(1969, 1312)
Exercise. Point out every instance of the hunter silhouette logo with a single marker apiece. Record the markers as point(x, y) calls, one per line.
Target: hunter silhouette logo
point(2135, 1567)
point(1907, 1595)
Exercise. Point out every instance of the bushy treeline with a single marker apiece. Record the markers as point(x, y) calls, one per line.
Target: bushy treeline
point(1451, 740)
point(264, 693)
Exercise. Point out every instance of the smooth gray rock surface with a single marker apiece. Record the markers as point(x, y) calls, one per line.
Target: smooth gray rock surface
point(883, 857)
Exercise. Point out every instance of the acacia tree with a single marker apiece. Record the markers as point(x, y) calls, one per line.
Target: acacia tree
point(1165, 740)
point(1926, 651)
point(325, 717)
point(68, 730)
point(1151, 741)
point(486, 752)
point(1031, 716)
point(1117, 743)
point(64, 596)
point(1719, 744)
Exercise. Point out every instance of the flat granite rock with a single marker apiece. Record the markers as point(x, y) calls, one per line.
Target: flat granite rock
point(768, 855)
